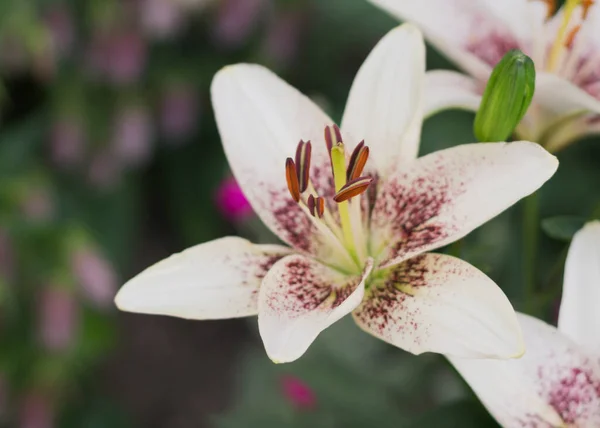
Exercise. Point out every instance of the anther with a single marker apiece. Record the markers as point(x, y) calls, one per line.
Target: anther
point(551, 5)
point(311, 204)
point(586, 5)
point(358, 160)
point(291, 177)
point(303, 153)
point(353, 188)
point(332, 136)
point(571, 36)
point(319, 206)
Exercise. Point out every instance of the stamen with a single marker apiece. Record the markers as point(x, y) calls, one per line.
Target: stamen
point(332, 136)
point(358, 160)
point(353, 188)
point(310, 203)
point(586, 5)
point(562, 38)
point(292, 179)
point(320, 206)
point(303, 153)
point(551, 5)
point(571, 36)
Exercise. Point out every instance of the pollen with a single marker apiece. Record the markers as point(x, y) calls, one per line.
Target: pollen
point(571, 36)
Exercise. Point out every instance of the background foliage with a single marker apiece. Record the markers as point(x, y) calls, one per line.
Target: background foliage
point(110, 160)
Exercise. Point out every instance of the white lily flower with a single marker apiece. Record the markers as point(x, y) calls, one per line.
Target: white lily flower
point(357, 235)
point(557, 382)
point(476, 34)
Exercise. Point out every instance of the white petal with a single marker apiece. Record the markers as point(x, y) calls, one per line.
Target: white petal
point(465, 30)
point(579, 316)
point(559, 97)
point(385, 103)
point(554, 385)
point(438, 303)
point(218, 279)
point(298, 299)
point(446, 89)
point(568, 131)
point(441, 197)
point(261, 119)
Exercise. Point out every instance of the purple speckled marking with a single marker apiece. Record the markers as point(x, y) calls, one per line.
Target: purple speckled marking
point(407, 210)
point(490, 44)
point(574, 393)
point(305, 285)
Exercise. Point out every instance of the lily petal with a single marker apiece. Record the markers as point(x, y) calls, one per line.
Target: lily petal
point(465, 30)
point(579, 317)
point(555, 384)
point(298, 299)
point(385, 103)
point(214, 280)
point(560, 97)
point(570, 130)
point(261, 119)
point(438, 303)
point(441, 197)
point(446, 89)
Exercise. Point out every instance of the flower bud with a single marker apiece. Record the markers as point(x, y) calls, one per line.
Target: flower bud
point(506, 98)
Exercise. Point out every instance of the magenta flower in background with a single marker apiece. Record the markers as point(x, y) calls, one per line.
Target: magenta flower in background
point(232, 202)
point(104, 170)
point(36, 411)
point(179, 112)
point(58, 318)
point(298, 393)
point(132, 136)
point(282, 41)
point(235, 21)
point(67, 142)
point(161, 19)
point(95, 275)
point(120, 57)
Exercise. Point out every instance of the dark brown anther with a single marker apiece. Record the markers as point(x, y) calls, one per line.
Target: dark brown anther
point(328, 139)
point(320, 206)
point(303, 153)
point(358, 160)
point(353, 188)
point(333, 136)
point(292, 179)
point(311, 204)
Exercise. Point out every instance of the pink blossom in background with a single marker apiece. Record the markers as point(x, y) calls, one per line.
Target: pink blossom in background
point(95, 275)
point(132, 136)
point(179, 112)
point(38, 204)
point(235, 21)
point(298, 393)
point(60, 26)
point(35, 411)
point(67, 142)
point(161, 19)
point(282, 41)
point(232, 202)
point(58, 318)
point(104, 170)
point(119, 56)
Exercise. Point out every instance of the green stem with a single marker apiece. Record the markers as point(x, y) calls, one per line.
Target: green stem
point(530, 241)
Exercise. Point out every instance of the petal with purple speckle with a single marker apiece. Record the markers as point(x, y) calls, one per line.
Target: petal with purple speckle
point(261, 119)
point(438, 303)
point(555, 384)
point(215, 280)
point(441, 197)
point(298, 299)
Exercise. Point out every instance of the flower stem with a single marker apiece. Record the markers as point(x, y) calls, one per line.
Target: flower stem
point(530, 241)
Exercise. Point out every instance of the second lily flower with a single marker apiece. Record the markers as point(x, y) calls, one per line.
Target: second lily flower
point(359, 213)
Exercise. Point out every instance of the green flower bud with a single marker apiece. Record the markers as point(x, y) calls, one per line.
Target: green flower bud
point(506, 98)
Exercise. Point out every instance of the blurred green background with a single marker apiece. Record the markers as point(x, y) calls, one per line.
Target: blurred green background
point(110, 160)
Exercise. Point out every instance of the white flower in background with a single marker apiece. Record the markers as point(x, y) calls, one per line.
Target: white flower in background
point(475, 34)
point(358, 235)
point(557, 382)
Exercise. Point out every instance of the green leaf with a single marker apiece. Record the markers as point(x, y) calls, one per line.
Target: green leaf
point(562, 228)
